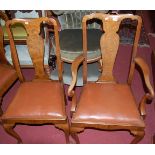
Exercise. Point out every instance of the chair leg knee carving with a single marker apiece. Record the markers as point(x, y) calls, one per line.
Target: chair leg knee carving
point(138, 136)
point(9, 129)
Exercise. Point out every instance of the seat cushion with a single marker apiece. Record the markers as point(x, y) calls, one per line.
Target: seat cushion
point(71, 43)
point(23, 55)
point(37, 100)
point(7, 76)
point(19, 32)
point(107, 104)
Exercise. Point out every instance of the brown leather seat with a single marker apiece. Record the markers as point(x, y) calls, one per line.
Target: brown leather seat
point(113, 104)
point(107, 104)
point(28, 103)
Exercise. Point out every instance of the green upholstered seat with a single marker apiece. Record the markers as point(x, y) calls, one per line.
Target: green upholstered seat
point(71, 44)
point(71, 34)
point(19, 32)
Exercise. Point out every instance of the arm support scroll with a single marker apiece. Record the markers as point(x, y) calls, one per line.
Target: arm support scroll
point(146, 73)
point(74, 69)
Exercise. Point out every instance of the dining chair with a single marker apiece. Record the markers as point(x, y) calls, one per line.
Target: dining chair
point(8, 74)
point(42, 100)
point(108, 104)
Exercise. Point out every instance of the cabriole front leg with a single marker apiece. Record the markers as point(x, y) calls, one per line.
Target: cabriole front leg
point(9, 129)
point(138, 136)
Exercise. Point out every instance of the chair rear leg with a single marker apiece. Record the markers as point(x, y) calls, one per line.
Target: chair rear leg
point(67, 137)
point(138, 136)
point(153, 141)
point(74, 133)
point(75, 137)
point(9, 129)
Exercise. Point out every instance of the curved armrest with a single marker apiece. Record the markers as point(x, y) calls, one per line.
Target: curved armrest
point(146, 73)
point(145, 69)
point(74, 69)
point(49, 14)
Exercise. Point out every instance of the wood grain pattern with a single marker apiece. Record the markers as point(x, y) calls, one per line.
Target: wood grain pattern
point(109, 43)
point(35, 45)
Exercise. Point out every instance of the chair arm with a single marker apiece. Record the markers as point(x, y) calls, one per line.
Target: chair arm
point(145, 69)
point(74, 69)
point(146, 73)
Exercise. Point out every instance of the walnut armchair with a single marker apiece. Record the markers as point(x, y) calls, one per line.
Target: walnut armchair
point(107, 104)
point(8, 74)
point(40, 101)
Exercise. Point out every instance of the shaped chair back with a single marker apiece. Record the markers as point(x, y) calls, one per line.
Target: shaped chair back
point(35, 43)
point(109, 43)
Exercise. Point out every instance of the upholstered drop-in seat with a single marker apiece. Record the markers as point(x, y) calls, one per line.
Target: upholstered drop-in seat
point(18, 31)
point(24, 56)
point(27, 102)
point(71, 44)
point(7, 75)
point(107, 104)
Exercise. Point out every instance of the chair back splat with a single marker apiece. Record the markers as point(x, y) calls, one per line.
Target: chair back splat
point(35, 43)
point(109, 43)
